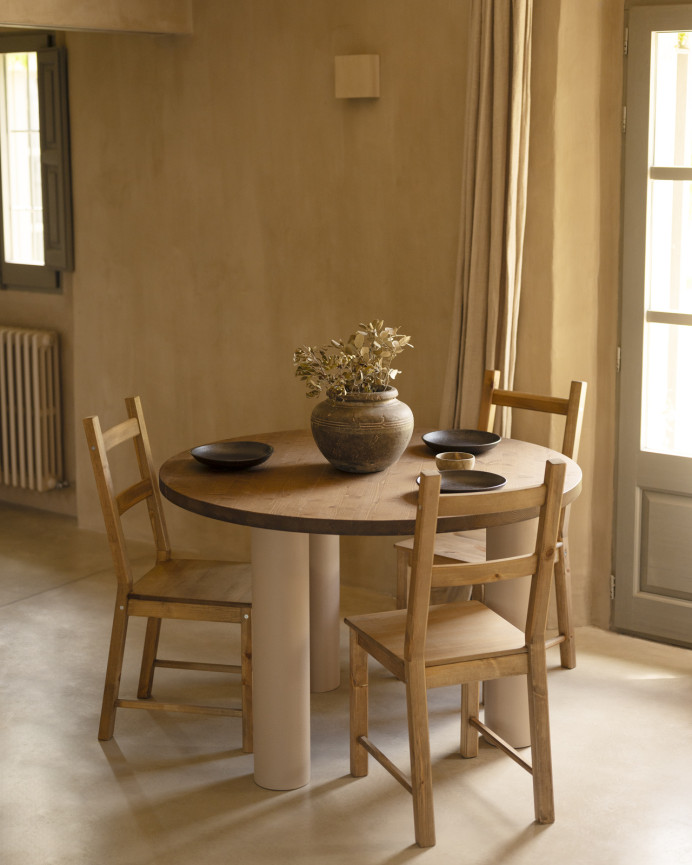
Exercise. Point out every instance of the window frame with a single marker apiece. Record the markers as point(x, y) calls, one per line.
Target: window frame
point(56, 189)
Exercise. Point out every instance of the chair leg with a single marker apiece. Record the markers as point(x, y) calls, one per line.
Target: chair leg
point(563, 599)
point(151, 645)
point(419, 746)
point(358, 699)
point(478, 592)
point(541, 759)
point(403, 562)
point(246, 680)
point(470, 706)
point(113, 669)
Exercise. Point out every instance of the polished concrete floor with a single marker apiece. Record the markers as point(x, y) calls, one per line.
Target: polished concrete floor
point(177, 789)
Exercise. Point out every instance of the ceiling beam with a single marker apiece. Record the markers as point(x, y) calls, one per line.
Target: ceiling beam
point(125, 16)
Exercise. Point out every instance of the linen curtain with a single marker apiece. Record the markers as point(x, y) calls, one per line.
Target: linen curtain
point(493, 212)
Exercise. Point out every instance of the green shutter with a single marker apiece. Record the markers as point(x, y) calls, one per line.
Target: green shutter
point(55, 159)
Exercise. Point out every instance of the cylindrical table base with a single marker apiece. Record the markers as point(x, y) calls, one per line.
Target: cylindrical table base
point(325, 674)
point(281, 643)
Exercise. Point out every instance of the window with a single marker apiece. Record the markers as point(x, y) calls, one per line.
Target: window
point(36, 212)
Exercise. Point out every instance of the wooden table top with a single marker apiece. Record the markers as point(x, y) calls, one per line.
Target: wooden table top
point(297, 490)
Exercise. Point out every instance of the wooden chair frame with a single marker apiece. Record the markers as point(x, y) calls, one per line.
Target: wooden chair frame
point(471, 547)
point(189, 589)
point(461, 643)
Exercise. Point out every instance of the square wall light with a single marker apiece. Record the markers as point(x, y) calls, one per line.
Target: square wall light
point(357, 76)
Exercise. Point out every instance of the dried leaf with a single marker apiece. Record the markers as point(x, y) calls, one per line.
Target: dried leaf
point(362, 364)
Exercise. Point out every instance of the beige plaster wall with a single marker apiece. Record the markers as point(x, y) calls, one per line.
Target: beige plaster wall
point(568, 323)
point(229, 208)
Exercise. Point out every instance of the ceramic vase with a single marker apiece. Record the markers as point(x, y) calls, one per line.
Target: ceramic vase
point(362, 432)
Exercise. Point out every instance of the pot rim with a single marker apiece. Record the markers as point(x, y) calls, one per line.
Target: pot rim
point(388, 393)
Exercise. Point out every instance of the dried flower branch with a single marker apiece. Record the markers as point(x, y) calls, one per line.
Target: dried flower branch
point(361, 364)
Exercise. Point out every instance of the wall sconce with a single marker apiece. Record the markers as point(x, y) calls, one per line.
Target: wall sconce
point(357, 76)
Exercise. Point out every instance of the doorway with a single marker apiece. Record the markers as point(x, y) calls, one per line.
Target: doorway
point(653, 549)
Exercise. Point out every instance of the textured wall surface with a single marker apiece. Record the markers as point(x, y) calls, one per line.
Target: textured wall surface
point(229, 208)
point(568, 319)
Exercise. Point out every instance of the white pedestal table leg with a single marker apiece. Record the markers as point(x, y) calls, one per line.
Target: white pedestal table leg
point(281, 658)
point(324, 613)
point(506, 700)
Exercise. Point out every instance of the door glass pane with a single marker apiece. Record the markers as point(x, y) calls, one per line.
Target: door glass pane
point(670, 246)
point(671, 104)
point(667, 358)
point(22, 208)
point(667, 403)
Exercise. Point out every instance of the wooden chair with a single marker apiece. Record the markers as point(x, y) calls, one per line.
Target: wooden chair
point(470, 546)
point(207, 591)
point(461, 643)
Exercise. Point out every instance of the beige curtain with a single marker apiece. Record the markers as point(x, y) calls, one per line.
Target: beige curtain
point(486, 304)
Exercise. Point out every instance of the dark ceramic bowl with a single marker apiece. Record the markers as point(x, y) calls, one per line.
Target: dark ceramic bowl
point(231, 456)
point(471, 441)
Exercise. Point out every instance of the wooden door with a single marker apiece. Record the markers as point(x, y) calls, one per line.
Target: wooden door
point(653, 554)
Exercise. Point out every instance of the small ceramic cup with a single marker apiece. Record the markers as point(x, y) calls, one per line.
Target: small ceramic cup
point(454, 460)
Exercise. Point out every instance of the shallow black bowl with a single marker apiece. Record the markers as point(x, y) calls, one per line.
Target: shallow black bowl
point(470, 441)
point(232, 455)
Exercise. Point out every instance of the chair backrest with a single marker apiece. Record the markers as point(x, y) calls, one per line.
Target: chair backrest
point(425, 574)
point(114, 504)
point(572, 407)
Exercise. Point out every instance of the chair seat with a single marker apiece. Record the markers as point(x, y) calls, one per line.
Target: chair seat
point(456, 546)
point(196, 581)
point(463, 631)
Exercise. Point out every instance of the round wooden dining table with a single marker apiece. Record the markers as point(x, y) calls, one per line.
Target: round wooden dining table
point(297, 505)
